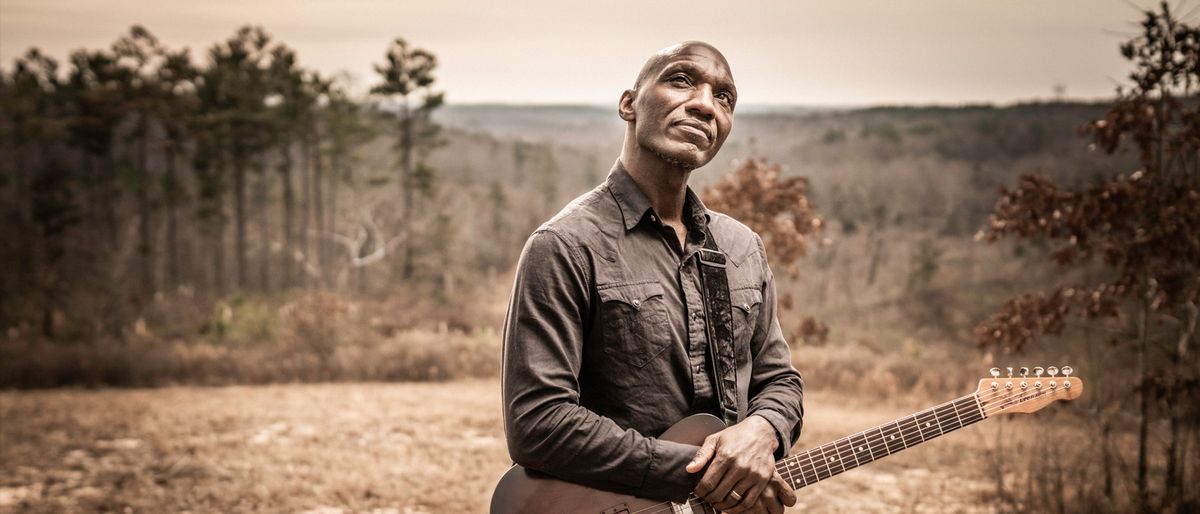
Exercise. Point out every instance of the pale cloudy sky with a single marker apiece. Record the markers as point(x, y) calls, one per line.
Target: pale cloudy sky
point(847, 52)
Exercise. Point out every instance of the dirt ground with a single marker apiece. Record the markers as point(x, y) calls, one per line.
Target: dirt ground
point(378, 448)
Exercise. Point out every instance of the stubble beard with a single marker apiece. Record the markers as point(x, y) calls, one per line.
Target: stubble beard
point(685, 166)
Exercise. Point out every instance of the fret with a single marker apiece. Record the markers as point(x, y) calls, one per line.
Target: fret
point(928, 424)
point(845, 454)
point(829, 461)
point(881, 442)
point(979, 404)
point(949, 419)
point(894, 442)
point(813, 460)
point(858, 445)
point(808, 467)
point(967, 406)
point(794, 473)
point(909, 432)
point(937, 421)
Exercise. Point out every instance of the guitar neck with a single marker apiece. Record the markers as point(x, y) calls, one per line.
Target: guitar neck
point(816, 464)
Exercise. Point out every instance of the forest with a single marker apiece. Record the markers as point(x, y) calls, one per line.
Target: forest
point(226, 217)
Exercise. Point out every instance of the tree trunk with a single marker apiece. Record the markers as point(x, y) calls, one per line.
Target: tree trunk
point(218, 235)
point(1143, 497)
point(1106, 455)
point(173, 196)
point(305, 204)
point(285, 176)
point(335, 175)
point(239, 214)
point(318, 203)
point(110, 196)
point(264, 229)
point(145, 244)
point(406, 181)
point(1171, 491)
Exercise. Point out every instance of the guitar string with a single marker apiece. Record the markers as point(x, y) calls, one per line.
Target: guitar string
point(987, 411)
point(903, 426)
point(872, 440)
point(695, 501)
point(869, 439)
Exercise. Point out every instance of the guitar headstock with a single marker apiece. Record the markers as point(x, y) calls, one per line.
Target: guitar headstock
point(1026, 393)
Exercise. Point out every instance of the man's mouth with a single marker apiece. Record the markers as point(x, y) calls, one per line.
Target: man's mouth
point(696, 127)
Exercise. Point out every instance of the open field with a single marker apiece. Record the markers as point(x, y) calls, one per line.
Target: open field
point(394, 448)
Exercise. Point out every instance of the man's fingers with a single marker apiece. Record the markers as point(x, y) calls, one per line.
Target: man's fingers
point(749, 491)
point(770, 500)
point(752, 488)
point(784, 490)
point(719, 496)
point(702, 455)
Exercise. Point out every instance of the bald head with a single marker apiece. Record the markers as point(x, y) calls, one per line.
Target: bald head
point(656, 62)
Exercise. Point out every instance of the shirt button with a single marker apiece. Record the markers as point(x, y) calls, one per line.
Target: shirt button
point(637, 303)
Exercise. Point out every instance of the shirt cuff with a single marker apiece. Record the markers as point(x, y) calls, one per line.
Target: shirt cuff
point(668, 478)
point(782, 430)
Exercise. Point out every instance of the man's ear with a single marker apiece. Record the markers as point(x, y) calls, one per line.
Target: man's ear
point(625, 105)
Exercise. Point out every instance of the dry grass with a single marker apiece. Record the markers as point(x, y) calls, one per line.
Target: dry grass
point(286, 448)
point(372, 448)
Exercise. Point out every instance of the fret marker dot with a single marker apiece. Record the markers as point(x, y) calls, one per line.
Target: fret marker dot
point(893, 438)
point(928, 424)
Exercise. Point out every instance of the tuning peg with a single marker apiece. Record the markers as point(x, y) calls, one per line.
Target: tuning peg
point(1024, 371)
point(995, 372)
point(1067, 370)
point(1053, 371)
point(1038, 371)
point(1010, 372)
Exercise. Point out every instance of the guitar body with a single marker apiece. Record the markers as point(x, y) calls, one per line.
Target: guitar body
point(524, 491)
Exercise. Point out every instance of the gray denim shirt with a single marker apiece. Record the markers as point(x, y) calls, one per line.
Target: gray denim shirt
point(604, 343)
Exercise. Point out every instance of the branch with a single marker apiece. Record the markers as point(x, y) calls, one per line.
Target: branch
point(367, 231)
point(1189, 329)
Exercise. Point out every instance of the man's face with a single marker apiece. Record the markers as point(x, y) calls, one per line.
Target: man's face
point(684, 111)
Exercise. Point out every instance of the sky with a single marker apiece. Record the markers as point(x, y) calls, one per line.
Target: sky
point(797, 52)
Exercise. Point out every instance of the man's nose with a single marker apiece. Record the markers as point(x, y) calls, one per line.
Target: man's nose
point(702, 103)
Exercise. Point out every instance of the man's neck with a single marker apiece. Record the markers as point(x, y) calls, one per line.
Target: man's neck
point(663, 183)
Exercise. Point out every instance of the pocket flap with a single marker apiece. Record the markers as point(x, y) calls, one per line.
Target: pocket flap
point(745, 299)
point(632, 294)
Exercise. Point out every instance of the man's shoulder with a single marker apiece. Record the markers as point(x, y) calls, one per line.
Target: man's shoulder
point(582, 219)
point(733, 237)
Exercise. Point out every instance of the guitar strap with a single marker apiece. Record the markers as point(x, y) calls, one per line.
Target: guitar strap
point(718, 313)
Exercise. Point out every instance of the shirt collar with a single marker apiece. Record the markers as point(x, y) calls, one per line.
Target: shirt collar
point(634, 205)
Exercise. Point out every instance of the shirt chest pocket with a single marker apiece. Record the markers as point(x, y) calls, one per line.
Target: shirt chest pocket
point(746, 305)
point(633, 319)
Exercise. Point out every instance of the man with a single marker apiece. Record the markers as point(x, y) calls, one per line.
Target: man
point(606, 343)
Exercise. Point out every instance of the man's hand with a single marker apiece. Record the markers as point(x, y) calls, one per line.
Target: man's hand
point(741, 473)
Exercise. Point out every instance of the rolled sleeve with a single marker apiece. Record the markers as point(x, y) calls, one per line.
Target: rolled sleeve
point(545, 426)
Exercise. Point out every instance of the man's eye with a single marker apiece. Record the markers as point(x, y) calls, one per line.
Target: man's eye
point(725, 97)
point(680, 79)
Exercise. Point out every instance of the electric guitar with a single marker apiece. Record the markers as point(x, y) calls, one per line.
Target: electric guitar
point(526, 491)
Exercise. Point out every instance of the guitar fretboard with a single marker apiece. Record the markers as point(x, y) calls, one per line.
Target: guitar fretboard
point(816, 464)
